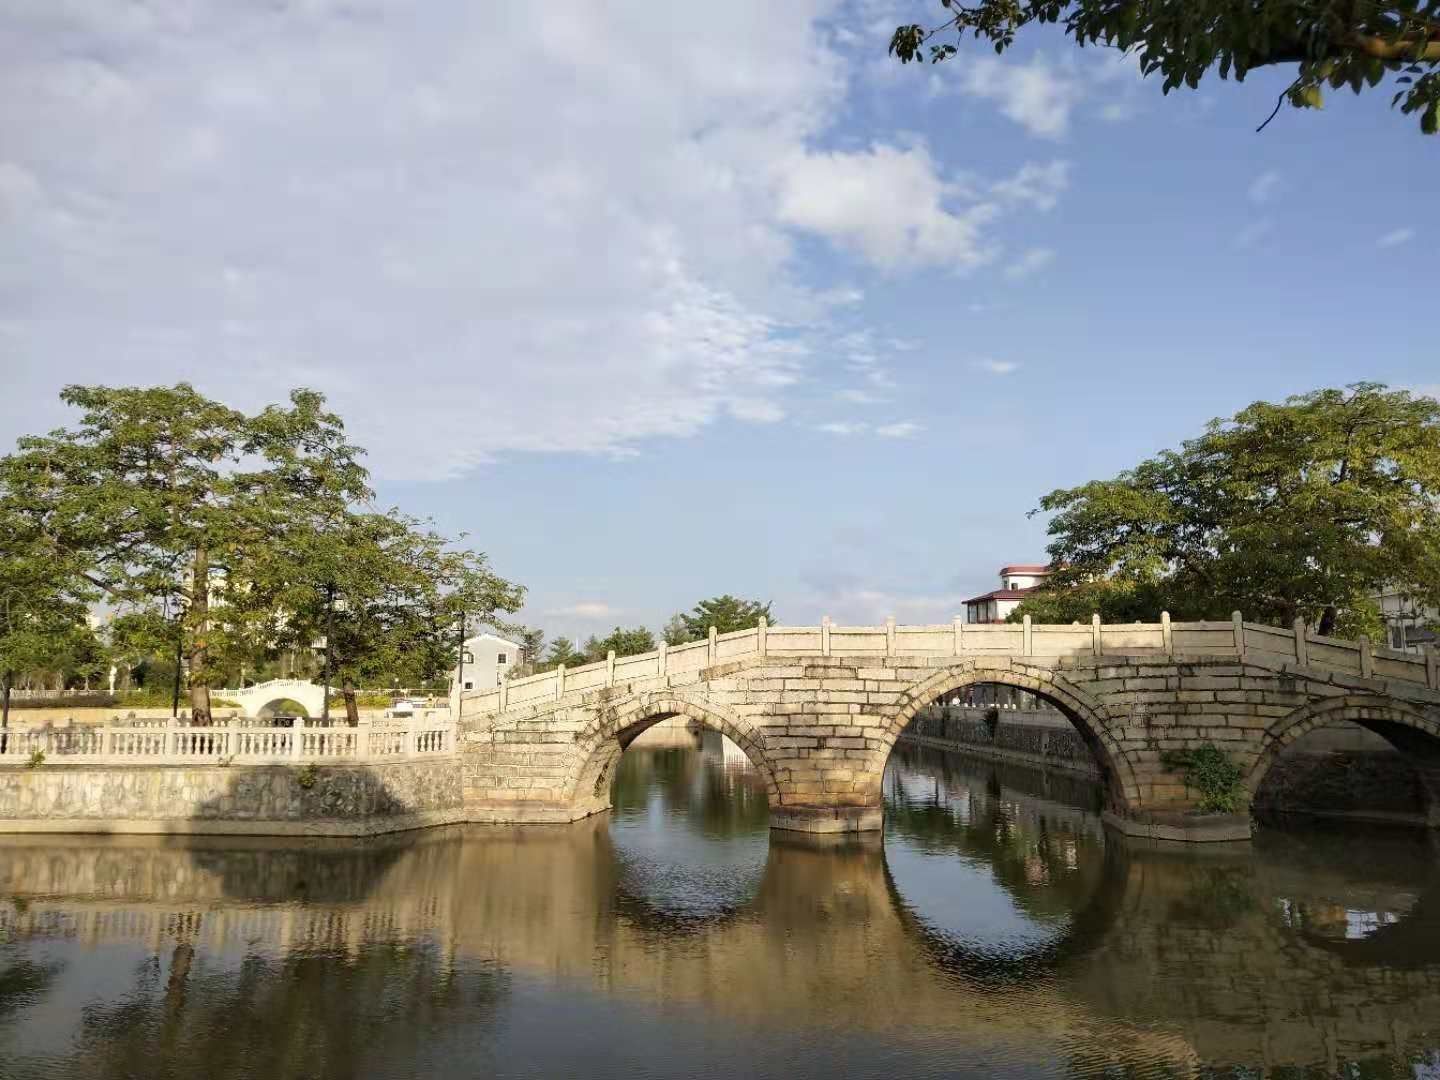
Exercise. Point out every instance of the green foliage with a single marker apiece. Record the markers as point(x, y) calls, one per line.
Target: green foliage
point(1303, 509)
point(992, 721)
point(35, 760)
point(1332, 43)
point(563, 651)
point(624, 642)
point(308, 776)
point(1209, 770)
point(222, 538)
point(726, 613)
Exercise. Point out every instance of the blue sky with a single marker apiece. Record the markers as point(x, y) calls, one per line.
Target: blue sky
point(657, 302)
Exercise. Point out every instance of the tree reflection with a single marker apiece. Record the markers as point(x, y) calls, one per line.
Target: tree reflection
point(322, 1014)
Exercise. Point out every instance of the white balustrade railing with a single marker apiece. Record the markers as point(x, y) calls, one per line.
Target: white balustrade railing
point(1296, 647)
point(231, 742)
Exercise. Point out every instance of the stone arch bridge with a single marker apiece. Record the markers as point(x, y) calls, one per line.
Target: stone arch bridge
point(817, 710)
point(261, 696)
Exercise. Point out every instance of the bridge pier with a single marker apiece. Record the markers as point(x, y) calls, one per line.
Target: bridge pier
point(827, 819)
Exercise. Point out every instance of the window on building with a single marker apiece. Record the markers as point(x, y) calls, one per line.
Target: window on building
point(469, 657)
point(500, 658)
point(469, 686)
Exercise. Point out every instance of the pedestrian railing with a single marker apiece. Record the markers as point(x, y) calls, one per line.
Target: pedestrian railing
point(431, 734)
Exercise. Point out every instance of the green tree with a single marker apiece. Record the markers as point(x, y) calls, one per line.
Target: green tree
point(169, 495)
point(43, 592)
point(385, 595)
point(1304, 509)
point(725, 613)
point(1331, 43)
point(563, 651)
point(623, 641)
point(675, 632)
point(532, 648)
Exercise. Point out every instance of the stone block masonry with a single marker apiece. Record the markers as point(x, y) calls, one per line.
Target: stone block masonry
point(817, 711)
point(274, 800)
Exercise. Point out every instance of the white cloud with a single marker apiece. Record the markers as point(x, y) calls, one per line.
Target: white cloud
point(1037, 95)
point(860, 397)
point(900, 429)
point(585, 609)
point(1254, 234)
point(470, 260)
point(1396, 237)
point(996, 367)
point(1035, 185)
point(903, 429)
point(1032, 262)
point(890, 205)
point(1263, 187)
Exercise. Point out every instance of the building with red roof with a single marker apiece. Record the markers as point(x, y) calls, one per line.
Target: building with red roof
point(1016, 582)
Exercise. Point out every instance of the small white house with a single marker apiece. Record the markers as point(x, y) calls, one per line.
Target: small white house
point(488, 658)
point(1015, 582)
point(1407, 622)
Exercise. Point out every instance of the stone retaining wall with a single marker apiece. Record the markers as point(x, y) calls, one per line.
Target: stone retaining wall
point(341, 800)
point(1029, 741)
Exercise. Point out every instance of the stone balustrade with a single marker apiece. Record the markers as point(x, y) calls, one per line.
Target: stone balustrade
point(1297, 646)
point(428, 734)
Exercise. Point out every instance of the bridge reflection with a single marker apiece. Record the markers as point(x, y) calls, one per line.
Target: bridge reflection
point(1292, 951)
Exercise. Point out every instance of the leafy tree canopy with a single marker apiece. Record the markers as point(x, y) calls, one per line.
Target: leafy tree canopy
point(1332, 43)
point(1303, 509)
point(624, 641)
point(725, 613)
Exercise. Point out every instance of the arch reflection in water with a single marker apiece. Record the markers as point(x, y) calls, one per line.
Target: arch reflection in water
point(545, 952)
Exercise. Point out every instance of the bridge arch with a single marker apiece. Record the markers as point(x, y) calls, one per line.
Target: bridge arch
point(614, 728)
point(1412, 732)
point(267, 711)
point(1089, 716)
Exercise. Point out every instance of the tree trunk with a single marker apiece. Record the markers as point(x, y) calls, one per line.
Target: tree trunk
point(1327, 621)
point(200, 611)
point(5, 713)
point(352, 710)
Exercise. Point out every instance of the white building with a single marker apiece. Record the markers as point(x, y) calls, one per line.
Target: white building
point(1408, 625)
point(488, 659)
point(1015, 582)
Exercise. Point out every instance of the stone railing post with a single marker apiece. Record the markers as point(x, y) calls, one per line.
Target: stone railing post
point(713, 653)
point(1167, 636)
point(408, 746)
point(1096, 644)
point(1367, 659)
point(760, 628)
point(662, 659)
point(610, 666)
point(1237, 620)
point(107, 741)
point(504, 692)
point(297, 736)
point(825, 635)
point(1302, 646)
point(890, 635)
point(559, 682)
point(170, 748)
point(959, 625)
point(1432, 667)
point(1026, 637)
point(362, 739)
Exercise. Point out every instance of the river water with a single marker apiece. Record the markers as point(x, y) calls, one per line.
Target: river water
point(997, 931)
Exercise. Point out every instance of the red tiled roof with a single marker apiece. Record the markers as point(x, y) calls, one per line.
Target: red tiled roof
point(1002, 594)
point(1024, 568)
